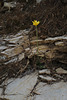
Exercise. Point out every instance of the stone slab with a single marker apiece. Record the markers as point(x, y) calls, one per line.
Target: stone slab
point(20, 88)
point(57, 91)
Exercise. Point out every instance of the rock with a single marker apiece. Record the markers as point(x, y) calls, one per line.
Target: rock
point(49, 54)
point(41, 49)
point(56, 91)
point(60, 49)
point(22, 33)
point(17, 47)
point(46, 78)
point(24, 43)
point(44, 71)
point(57, 49)
point(11, 45)
point(51, 40)
point(21, 56)
point(34, 42)
point(59, 43)
point(61, 71)
point(15, 40)
point(3, 58)
point(3, 48)
point(14, 60)
point(13, 51)
point(58, 76)
point(20, 88)
point(27, 51)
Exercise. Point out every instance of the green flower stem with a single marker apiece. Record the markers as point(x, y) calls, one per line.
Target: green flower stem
point(37, 39)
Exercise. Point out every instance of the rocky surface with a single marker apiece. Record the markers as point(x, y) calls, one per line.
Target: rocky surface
point(29, 88)
point(18, 45)
point(57, 91)
point(61, 71)
point(20, 88)
point(14, 49)
point(14, 46)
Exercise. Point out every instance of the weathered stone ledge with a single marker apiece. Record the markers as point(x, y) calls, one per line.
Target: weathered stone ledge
point(14, 48)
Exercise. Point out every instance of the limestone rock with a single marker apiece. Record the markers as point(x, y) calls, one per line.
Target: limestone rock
point(13, 51)
point(15, 40)
point(34, 42)
point(3, 48)
point(48, 40)
point(44, 71)
point(56, 91)
point(50, 54)
point(58, 76)
point(3, 58)
point(11, 45)
point(21, 56)
point(61, 71)
point(59, 43)
point(41, 49)
point(20, 88)
point(14, 60)
point(58, 48)
point(14, 48)
point(46, 78)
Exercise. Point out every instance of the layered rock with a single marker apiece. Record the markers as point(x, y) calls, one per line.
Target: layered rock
point(14, 49)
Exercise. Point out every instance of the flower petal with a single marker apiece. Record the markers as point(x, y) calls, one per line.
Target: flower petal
point(35, 22)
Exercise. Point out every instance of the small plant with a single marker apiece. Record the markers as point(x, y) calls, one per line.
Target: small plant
point(36, 23)
point(41, 67)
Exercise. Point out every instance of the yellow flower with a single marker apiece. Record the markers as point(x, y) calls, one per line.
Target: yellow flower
point(35, 22)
